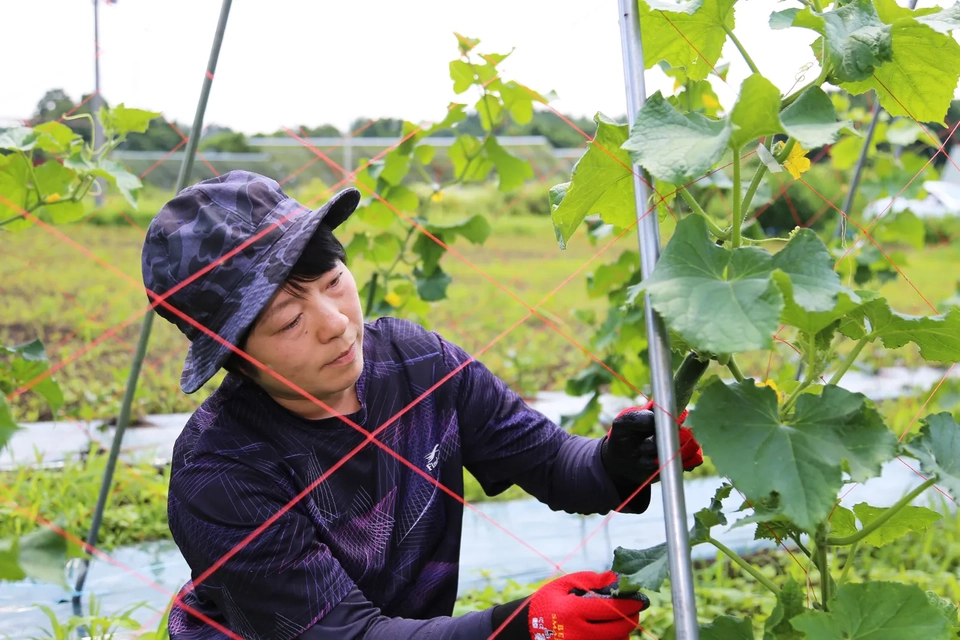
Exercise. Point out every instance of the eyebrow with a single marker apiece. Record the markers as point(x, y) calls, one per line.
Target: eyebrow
point(275, 309)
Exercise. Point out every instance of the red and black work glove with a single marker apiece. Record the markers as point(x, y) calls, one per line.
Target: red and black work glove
point(577, 606)
point(629, 451)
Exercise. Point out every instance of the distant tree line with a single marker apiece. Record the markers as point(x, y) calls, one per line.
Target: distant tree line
point(162, 136)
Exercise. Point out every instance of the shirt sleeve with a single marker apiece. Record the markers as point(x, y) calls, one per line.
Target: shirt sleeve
point(506, 442)
point(357, 618)
point(271, 576)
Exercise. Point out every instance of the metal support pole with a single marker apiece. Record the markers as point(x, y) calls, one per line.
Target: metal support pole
point(668, 444)
point(97, 100)
point(841, 230)
point(124, 418)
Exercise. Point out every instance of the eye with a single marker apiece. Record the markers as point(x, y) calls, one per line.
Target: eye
point(336, 280)
point(293, 323)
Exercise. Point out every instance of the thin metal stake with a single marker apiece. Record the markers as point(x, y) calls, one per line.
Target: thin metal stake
point(124, 418)
point(668, 441)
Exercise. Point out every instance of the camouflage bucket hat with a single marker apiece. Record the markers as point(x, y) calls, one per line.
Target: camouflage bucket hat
point(249, 217)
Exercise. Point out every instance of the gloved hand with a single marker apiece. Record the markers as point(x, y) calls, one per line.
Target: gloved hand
point(629, 451)
point(577, 606)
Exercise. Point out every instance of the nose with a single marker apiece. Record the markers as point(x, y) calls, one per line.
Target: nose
point(331, 321)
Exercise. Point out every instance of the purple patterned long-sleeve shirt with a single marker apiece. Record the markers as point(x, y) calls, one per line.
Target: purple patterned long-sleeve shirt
point(372, 551)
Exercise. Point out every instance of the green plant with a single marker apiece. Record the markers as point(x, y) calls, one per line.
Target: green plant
point(407, 273)
point(95, 624)
point(723, 289)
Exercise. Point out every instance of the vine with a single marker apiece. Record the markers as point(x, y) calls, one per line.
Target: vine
point(725, 287)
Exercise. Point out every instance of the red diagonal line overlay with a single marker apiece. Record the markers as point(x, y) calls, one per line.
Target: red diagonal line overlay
point(160, 161)
point(161, 300)
point(199, 155)
point(875, 243)
point(43, 522)
point(90, 316)
point(368, 437)
point(313, 161)
point(892, 200)
point(485, 275)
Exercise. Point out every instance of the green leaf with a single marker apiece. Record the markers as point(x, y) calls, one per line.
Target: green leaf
point(674, 147)
point(937, 336)
point(710, 516)
point(919, 80)
point(791, 602)
point(937, 447)
point(876, 611)
point(857, 42)
point(55, 137)
point(807, 262)
point(602, 183)
point(703, 36)
point(511, 170)
point(843, 522)
point(64, 211)
point(395, 167)
point(424, 153)
point(469, 164)
point(54, 180)
point(756, 112)
point(462, 75)
point(429, 251)
point(518, 100)
point(43, 556)
point(456, 113)
point(644, 569)
point(490, 111)
point(812, 119)
point(695, 279)
point(768, 515)
point(18, 138)
point(948, 609)
point(727, 628)
point(7, 424)
point(433, 287)
point(800, 458)
point(907, 520)
point(13, 190)
point(815, 322)
point(119, 177)
point(377, 214)
point(402, 197)
point(905, 132)
point(476, 229)
point(902, 227)
point(121, 120)
point(384, 248)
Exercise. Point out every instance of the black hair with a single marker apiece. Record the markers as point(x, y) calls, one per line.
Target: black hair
point(321, 254)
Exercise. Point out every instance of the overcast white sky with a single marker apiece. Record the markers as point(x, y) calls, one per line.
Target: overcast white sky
point(290, 62)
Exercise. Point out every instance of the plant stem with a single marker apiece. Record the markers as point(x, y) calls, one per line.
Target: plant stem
point(743, 52)
point(882, 520)
point(807, 379)
point(848, 563)
point(737, 196)
point(697, 209)
point(752, 189)
point(373, 289)
point(823, 563)
point(801, 546)
point(746, 566)
point(735, 369)
point(851, 357)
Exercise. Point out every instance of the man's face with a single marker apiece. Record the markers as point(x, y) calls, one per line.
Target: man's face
point(314, 340)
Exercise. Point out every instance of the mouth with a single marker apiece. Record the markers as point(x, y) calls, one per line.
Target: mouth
point(344, 358)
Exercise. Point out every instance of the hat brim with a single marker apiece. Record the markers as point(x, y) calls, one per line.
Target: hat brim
point(208, 354)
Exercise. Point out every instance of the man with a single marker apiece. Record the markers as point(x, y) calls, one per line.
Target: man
point(317, 493)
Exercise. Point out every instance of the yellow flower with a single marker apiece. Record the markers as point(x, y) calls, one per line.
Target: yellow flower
point(436, 196)
point(781, 396)
point(53, 197)
point(393, 299)
point(797, 162)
